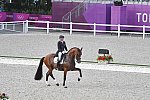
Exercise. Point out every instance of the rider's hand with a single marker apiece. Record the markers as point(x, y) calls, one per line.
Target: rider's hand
point(64, 52)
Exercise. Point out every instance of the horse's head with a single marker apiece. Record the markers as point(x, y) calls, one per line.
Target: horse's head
point(76, 53)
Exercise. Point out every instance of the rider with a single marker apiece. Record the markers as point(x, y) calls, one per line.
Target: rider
point(62, 48)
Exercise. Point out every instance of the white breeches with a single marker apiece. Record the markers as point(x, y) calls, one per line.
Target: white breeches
point(59, 55)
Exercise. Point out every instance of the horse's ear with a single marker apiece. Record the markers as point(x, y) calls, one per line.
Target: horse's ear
point(81, 48)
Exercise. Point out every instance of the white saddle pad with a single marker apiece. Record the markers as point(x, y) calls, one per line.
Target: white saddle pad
point(56, 60)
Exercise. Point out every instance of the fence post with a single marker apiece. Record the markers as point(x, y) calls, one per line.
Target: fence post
point(47, 27)
point(6, 26)
point(13, 27)
point(3, 26)
point(118, 30)
point(70, 28)
point(23, 27)
point(143, 31)
point(94, 29)
point(26, 26)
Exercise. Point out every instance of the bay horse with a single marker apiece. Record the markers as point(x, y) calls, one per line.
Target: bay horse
point(68, 65)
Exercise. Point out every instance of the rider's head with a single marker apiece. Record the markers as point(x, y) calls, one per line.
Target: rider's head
point(61, 37)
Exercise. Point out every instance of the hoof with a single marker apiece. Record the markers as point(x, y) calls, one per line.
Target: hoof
point(79, 79)
point(48, 85)
point(57, 84)
point(65, 87)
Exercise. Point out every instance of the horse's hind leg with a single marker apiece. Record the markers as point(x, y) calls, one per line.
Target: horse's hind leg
point(47, 75)
point(51, 74)
point(78, 69)
point(65, 74)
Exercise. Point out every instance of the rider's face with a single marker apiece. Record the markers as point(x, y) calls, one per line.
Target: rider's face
point(61, 39)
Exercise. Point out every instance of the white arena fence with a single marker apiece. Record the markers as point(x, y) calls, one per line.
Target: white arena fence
point(12, 26)
point(26, 25)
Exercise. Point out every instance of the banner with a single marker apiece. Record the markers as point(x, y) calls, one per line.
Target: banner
point(118, 16)
point(20, 16)
point(2, 16)
point(45, 17)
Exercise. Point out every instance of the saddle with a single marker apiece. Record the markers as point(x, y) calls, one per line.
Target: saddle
point(56, 59)
point(60, 67)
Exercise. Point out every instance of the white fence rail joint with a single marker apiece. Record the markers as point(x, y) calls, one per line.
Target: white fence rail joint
point(47, 27)
point(26, 26)
point(94, 29)
point(118, 30)
point(143, 31)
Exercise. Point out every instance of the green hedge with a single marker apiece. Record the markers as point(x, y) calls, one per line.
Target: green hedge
point(29, 6)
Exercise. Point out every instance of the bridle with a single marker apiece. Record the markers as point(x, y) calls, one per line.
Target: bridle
point(77, 55)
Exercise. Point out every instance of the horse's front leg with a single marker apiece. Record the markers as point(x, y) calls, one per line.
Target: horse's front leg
point(65, 74)
point(78, 69)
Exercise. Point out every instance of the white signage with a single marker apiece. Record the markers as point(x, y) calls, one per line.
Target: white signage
point(143, 17)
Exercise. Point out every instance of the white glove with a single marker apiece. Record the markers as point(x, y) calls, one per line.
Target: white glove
point(64, 52)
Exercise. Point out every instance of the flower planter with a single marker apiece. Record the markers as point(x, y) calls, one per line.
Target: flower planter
point(3, 96)
point(104, 59)
point(102, 62)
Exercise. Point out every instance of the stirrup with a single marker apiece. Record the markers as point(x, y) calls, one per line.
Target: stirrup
point(58, 64)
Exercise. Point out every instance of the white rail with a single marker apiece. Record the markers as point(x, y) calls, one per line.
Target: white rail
point(26, 26)
point(11, 26)
point(76, 12)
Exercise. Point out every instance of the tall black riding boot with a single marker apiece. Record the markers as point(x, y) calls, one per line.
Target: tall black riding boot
point(58, 63)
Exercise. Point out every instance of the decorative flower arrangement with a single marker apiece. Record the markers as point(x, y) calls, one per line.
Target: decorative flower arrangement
point(3, 96)
point(104, 58)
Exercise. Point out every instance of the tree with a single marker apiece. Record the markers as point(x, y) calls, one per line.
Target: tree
point(29, 6)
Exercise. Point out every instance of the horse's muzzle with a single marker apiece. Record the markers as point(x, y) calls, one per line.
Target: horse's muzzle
point(79, 61)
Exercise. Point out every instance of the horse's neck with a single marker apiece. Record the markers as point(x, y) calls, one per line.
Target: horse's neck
point(72, 62)
point(71, 54)
point(71, 59)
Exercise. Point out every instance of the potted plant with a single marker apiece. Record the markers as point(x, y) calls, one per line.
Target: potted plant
point(3, 96)
point(104, 59)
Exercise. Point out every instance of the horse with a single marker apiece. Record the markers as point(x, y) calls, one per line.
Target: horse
point(69, 64)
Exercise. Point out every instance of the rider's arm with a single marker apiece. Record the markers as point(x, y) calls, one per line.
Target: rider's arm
point(59, 46)
point(65, 46)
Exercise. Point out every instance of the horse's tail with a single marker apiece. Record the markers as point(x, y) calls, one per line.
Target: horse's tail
point(39, 75)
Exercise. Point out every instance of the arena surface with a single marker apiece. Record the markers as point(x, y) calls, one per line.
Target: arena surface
point(99, 82)
point(126, 49)
point(18, 82)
